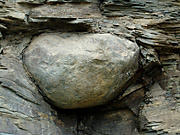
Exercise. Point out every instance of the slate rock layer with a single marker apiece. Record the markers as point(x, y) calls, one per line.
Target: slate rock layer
point(80, 70)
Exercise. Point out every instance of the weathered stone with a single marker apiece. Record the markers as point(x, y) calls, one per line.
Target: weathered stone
point(22, 108)
point(160, 114)
point(131, 98)
point(74, 1)
point(2, 26)
point(139, 8)
point(153, 24)
point(74, 67)
point(0, 35)
point(66, 10)
point(109, 123)
point(30, 1)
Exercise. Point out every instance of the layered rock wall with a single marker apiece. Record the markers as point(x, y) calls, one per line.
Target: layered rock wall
point(147, 103)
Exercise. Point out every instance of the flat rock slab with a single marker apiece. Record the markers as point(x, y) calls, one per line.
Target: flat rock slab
point(81, 70)
point(67, 10)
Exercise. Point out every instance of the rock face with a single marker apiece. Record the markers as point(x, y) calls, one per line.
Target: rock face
point(147, 104)
point(94, 123)
point(23, 110)
point(74, 67)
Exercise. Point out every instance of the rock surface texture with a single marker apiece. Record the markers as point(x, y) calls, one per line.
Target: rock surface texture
point(78, 71)
point(85, 52)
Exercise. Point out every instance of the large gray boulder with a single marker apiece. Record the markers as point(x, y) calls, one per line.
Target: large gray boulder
point(80, 70)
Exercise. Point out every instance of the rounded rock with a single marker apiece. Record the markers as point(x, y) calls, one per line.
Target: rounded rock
point(80, 70)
